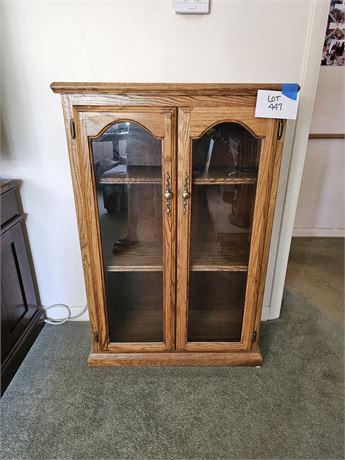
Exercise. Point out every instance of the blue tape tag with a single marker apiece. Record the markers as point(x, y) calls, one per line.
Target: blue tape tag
point(290, 90)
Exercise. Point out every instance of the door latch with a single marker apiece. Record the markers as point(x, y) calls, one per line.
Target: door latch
point(72, 128)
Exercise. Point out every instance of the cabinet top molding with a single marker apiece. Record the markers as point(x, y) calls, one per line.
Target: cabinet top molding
point(202, 89)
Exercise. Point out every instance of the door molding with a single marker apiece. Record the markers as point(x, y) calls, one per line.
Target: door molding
point(89, 124)
point(192, 123)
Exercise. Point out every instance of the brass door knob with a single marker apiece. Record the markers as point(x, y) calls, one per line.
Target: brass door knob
point(186, 195)
point(168, 195)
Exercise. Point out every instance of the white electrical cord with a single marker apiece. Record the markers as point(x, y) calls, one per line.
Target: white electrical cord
point(58, 321)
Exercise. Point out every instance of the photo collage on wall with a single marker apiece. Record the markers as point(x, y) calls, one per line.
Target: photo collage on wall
point(333, 52)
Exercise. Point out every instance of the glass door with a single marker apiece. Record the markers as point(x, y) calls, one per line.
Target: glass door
point(134, 191)
point(218, 185)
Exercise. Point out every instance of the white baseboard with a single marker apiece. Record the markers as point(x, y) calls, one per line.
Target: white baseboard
point(76, 311)
point(265, 316)
point(321, 232)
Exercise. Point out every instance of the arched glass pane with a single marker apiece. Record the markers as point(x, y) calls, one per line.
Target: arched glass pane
point(127, 162)
point(227, 150)
point(225, 167)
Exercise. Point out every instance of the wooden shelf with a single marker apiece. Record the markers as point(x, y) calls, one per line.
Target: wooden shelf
point(215, 257)
point(216, 244)
point(132, 175)
point(224, 181)
point(217, 176)
point(145, 256)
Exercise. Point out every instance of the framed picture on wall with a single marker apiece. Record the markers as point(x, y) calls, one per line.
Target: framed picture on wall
point(334, 45)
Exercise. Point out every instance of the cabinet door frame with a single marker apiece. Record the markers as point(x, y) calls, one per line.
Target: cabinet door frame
point(90, 122)
point(193, 122)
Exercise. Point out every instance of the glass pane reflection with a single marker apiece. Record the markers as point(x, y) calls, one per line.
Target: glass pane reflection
point(225, 167)
point(128, 168)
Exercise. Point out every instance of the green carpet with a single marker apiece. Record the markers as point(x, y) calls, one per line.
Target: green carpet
point(291, 408)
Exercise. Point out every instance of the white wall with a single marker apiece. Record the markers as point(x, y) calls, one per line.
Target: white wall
point(128, 41)
point(321, 204)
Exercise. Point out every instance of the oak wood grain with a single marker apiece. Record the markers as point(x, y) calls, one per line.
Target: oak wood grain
point(224, 180)
point(97, 121)
point(228, 257)
point(78, 181)
point(90, 100)
point(134, 175)
point(272, 190)
point(88, 125)
point(215, 346)
point(169, 228)
point(136, 347)
point(257, 243)
point(192, 123)
point(144, 256)
point(202, 119)
point(209, 89)
point(176, 359)
point(91, 247)
point(184, 163)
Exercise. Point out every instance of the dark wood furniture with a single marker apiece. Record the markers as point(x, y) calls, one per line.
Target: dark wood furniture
point(175, 188)
point(21, 320)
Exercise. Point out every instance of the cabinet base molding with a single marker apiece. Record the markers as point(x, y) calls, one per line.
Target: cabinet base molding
point(249, 358)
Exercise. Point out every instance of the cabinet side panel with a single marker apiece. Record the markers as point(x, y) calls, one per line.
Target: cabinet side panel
point(258, 239)
point(278, 149)
point(81, 201)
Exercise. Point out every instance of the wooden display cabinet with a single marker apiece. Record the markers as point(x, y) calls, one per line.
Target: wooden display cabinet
point(175, 188)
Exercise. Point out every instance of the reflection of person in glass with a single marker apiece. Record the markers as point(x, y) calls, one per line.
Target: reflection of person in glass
point(144, 215)
point(141, 159)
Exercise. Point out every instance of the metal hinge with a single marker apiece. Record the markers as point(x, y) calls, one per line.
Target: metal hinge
point(95, 336)
point(280, 129)
point(72, 128)
point(254, 336)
